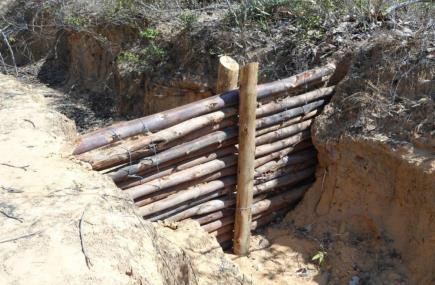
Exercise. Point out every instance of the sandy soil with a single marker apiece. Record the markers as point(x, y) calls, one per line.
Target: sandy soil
point(61, 223)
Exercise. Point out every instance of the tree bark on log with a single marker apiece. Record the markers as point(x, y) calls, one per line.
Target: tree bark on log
point(185, 187)
point(181, 176)
point(169, 118)
point(291, 102)
point(288, 114)
point(290, 141)
point(208, 218)
point(270, 175)
point(285, 180)
point(246, 158)
point(182, 196)
point(294, 158)
point(148, 199)
point(215, 138)
point(218, 204)
point(286, 123)
point(229, 219)
point(276, 202)
point(163, 215)
point(140, 146)
point(202, 170)
point(283, 133)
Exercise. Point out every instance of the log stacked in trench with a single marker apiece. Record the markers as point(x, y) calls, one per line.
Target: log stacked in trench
point(182, 163)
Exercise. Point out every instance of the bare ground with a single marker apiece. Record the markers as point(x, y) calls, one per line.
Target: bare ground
point(61, 222)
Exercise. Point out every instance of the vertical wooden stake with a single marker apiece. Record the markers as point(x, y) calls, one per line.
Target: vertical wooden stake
point(246, 159)
point(228, 74)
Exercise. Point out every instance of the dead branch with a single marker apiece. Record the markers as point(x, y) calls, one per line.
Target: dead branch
point(24, 167)
point(11, 217)
point(21, 237)
point(87, 259)
point(11, 51)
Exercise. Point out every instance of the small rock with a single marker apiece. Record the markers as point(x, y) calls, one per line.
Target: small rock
point(354, 280)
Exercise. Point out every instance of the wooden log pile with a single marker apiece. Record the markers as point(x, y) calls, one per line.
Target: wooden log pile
point(182, 163)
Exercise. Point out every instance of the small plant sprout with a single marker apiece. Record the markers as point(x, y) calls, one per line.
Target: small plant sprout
point(320, 257)
point(148, 33)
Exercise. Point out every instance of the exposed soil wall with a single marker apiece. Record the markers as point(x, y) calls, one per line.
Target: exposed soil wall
point(376, 177)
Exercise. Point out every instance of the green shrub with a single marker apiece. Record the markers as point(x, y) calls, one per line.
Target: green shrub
point(128, 57)
point(188, 19)
point(148, 33)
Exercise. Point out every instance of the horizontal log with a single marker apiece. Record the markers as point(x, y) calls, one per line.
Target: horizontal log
point(137, 147)
point(285, 180)
point(145, 200)
point(284, 199)
point(272, 174)
point(289, 122)
point(196, 160)
point(189, 174)
point(190, 190)
point(281, 144)
point(218, 204)
point(171, 117)
point(294, 158)
point(208, 218)
point(225, 193)
point(288, 114)
point(181, 176)
point(257, 221)
point(229, 219)
point(143, 145)
point(219, 223)
point(184, 149)
point(195, 188)
point(184, 164)
point(281, 155)
point(213, 220)
point(261, 160)
point(282, 133)
point(290, 102)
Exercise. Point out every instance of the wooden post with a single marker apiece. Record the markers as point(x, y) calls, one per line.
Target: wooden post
point(246, 159)
point(228, 74)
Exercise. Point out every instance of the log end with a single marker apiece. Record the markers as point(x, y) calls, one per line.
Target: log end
point(229, 63)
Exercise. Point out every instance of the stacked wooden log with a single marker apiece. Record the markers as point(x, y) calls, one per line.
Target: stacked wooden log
point(181, 163)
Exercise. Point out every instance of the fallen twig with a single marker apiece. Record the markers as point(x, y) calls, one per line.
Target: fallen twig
point(33, 124)
point(11, 217)
point(21, 237)
point(24, 167)
point(87, 259)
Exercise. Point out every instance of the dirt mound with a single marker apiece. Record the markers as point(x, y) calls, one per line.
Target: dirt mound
point(60, 221)
point(376, 180)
